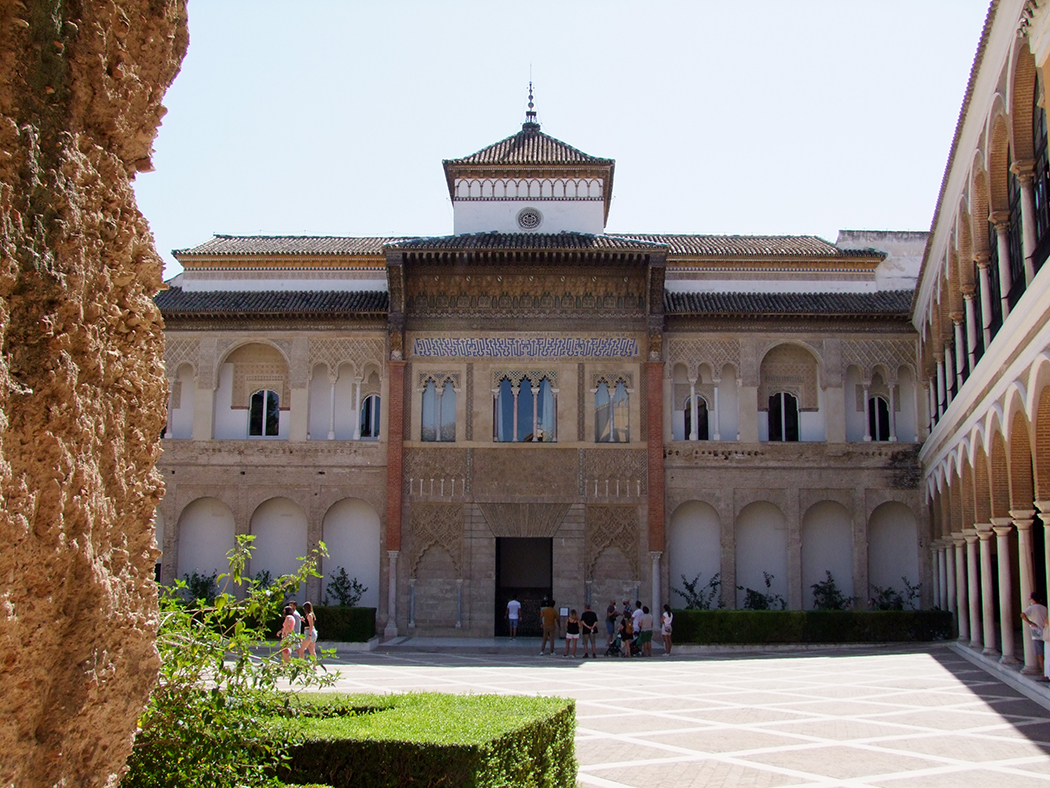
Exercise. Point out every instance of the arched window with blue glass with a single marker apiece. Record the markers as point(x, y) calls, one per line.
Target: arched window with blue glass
point(439, 409)
point(525, 407)
point(612, 411)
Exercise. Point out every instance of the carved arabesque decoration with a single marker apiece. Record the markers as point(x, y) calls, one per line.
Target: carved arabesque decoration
point(790, 369)
point(524, 520)
point(611, 526)
point(441, 525)
point(358, 352)
point(611, 379)
point(443, 463)
point(179, 351)
point(694, 352)
point(516, 376)
point(868, 354)
point(439, 379)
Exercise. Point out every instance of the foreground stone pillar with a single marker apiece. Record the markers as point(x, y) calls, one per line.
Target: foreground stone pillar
point(985, 534)
point(1023, 521)
point(1002, 527)
point(962, 614)
point(82, 391)
point(949, 558)
point(972, 585)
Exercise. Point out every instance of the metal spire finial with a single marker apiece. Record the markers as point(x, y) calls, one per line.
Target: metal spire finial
point(530, 123)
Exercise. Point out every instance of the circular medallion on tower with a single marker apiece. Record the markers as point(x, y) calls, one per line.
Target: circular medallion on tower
point(529, 218)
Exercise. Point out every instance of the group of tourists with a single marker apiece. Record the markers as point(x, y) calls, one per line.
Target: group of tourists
point(627, 633)
point(298, 628)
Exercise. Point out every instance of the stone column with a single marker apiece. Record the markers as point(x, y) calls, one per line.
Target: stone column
point(960, 350)
point(459, 602)
point(985, 534)
point(656, 584)
point(949, 373)
point(867, 407)
point(716, 434)
point(1025, 172)
point(942, 392)
point(391, 596)
point(394, 481)
point(1002, 527)
point(986, 296)
point(971, 329)
point(332, 379)
point(357, 409)
point(962, 615)
point(1044, 515)
point(1001, 220)
point(693, 414)
point(171, 398)
point(411, 603)
point(893, 412)
point(939, 590)
point(1023, 521)
point(972, 587)
point(949, 559)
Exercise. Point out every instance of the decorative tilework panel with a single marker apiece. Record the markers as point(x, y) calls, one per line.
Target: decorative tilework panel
point(526, 347)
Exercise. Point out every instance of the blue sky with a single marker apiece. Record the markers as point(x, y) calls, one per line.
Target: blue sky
point(762, 117)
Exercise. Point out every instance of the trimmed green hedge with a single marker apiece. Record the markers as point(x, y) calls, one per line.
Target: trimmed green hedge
point(346, 624)
point(474, 741)
point(810, 626)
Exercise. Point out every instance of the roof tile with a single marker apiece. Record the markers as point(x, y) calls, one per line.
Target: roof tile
point(529, 147)
point(288, 244)
point(886, 302)
point(176, 301)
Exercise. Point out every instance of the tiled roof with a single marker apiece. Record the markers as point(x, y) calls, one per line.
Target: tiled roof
point(552, 241)
point(529, 147)
point(887, 302)
point(288, 244)
point(750, 245)
point(177, 302)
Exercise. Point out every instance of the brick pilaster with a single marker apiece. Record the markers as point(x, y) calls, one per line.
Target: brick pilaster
point(395, 453)
point(654, 392)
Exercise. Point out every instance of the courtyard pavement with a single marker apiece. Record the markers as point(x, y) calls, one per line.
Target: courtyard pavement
point(861, 717)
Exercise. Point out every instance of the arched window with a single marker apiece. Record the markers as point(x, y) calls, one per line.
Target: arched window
point(878, 419)
point(523, 414)
point(702, 433)
point(995, 319)
point(369, 417)
point(783, 417)
point(1040, 182)
point(439, 412)
point(264, 415)
point(1017, 280)
point(611, 411)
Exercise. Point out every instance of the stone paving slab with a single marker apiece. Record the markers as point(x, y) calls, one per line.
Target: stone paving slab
point(861, 718)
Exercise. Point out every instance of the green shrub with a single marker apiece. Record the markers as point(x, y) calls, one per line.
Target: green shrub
point(346, 624)
point(828, 596)
point(810, 626)
point(427, 739)
point(763, 600)
point(346, 590)
point(705, 597)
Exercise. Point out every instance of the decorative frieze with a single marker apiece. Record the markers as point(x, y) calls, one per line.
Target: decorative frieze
point(554, 347)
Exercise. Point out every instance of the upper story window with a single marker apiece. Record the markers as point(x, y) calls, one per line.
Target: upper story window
point(264, 414)
point(612, 413)
point(1040, 181)
point(783, 417)
point(525, 409)
point(369, 417)
point(878, 419)
point(702, 433)
point(439, 411)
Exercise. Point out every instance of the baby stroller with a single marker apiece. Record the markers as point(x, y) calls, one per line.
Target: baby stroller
point(615, 649)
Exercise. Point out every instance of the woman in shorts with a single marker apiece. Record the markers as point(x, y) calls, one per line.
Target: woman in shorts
point(572, 632)
point(309, 640)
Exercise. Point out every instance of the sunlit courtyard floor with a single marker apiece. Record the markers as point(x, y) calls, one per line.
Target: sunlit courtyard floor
point(889, 717)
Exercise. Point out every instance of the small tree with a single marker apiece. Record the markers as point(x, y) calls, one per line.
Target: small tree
point(705, 597)
point(890, 598)
point(209, 721)
point(827, 596)
point(199, 589)
point(346, 590)
point(757, 600)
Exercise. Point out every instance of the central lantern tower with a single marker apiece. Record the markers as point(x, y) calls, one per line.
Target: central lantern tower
point(529, 182)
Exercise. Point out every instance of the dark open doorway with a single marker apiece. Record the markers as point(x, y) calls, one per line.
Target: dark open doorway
point(524, 570)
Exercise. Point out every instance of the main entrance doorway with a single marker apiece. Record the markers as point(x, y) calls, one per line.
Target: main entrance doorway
point(524, 570)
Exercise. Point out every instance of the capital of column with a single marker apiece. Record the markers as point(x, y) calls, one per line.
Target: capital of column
point(958, 540)
point(970, 535)
point(984, 531)
point(1002, 522)
point(1023, 518)
point(655, 554)
point(969, 292)
point(1001, 219)
point(981, 259)
point(1042, 506)
point(392, 554)
point(958, 318)
point(411, 582)
point(1024, 169)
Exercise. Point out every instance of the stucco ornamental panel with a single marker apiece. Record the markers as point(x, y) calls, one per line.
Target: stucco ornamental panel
point(868, 354)
point(424, 464)
point(526, 520)
point(694, 352)
point(553, 347)
point(179, 351)
point(611, 526)
point(359, 353)
point(520, 472)
point(437, 524)
point(789, 369)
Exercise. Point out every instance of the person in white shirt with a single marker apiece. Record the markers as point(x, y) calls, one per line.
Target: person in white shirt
point(513, 611)
point(1035, 615)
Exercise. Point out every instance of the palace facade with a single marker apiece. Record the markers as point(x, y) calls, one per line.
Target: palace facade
point(531, 406)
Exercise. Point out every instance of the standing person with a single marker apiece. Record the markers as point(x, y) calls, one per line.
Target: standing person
point(286, 632)
point(636, 616)
point(1035, 615)
point(589, 622)
point(298, 618)
point(610, 623)
point(309, 640)
point(665, 629)
point(548, 618)
point(513, 609)
point(572, 632)
point(646, 638)
point(626, 635)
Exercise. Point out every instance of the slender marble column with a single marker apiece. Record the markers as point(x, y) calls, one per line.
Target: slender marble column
point(1025, 171)
point(716, 435)
point(1001, 219)
point(971, 330)
point(1002, 527)
point(949, 557)
point(960, 351)
point(985, 534)
point(459, 604)
point(867, 410)
point(171, 400)
point(942, 391)
point(411, 603)
point(986, 298)
point(693, 414)
point(656, 586)
point(949, 373)
point(973, 587)
point(332, 379)
point(1022, 520)
point(942, 578)
point(893, 412)
point(962, 614)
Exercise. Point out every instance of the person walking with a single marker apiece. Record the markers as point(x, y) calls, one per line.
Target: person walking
point(286, 633)
point(513, 610)
point(309, 639)
point(665, 629)
point(589, 624)
point(548, 618)
point(572, 632)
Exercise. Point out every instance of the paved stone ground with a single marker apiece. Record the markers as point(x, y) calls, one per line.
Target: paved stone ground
point(886, 717)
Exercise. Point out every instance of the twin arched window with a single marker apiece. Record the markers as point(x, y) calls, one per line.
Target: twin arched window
point(439, 412)
point(264, 414)
point(611, 413)
point(525, 411)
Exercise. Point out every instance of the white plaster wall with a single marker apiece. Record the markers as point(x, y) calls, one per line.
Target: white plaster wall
point(320, 403)
point(893, 547)
point(761, 546)
point(279, 527)
point(205, 536)
point(351, 533)
point(502, 216)
point(694, 547)
point(907, 421)
point(854, 418)
point(827, 545)
point(345, 415)
point(182, 417)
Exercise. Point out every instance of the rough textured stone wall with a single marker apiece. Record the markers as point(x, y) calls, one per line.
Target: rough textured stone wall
point(81, 389)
